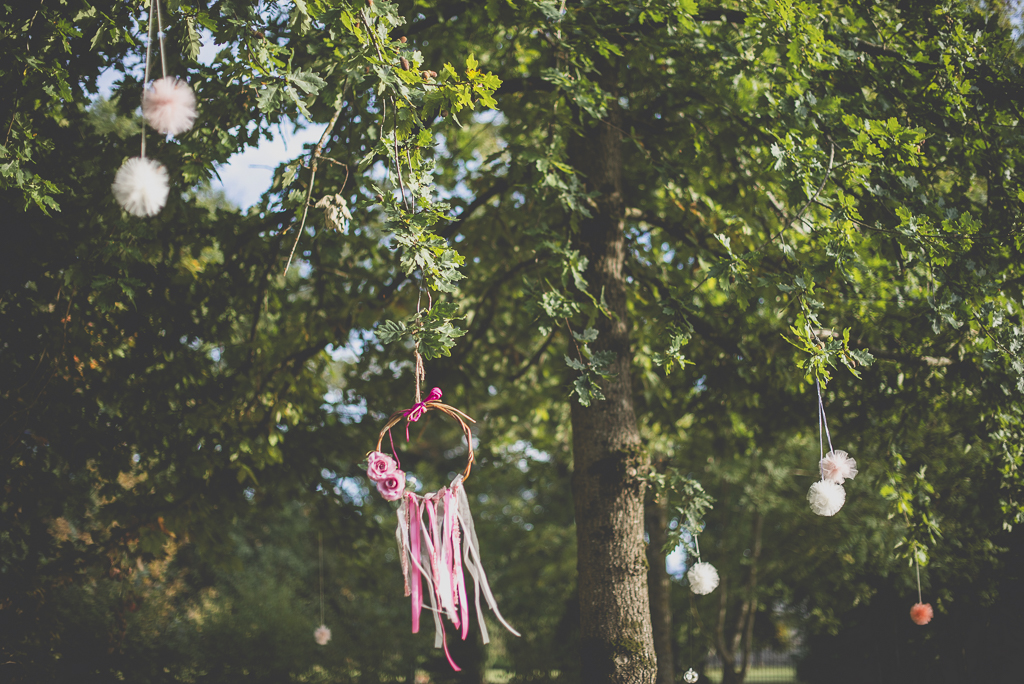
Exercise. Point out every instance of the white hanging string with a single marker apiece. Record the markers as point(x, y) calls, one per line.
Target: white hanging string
point(918, 568)
point(149, 59)
point(822, 422)
point(160, 33)
point(158, 29)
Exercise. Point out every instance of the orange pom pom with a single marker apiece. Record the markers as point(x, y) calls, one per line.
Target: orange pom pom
point(922, 613)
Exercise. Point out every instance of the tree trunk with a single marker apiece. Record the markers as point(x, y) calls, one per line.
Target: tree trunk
point(725, 654)
point(738, 645)
point(615, 621)
point(660, 586)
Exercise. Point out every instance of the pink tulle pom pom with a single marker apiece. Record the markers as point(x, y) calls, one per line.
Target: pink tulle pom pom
point(922, 613)
point(322, 634)
point(169, 106)
point(837, 466)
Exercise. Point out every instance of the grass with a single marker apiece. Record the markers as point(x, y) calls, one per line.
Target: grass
point(775, 674)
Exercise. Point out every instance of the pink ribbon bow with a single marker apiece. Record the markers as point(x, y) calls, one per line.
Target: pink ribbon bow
point(413, 414)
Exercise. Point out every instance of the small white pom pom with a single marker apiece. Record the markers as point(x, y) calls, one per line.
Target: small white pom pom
point(703, 578)
point(826, 498)
point(837, 466)
point(322, 634)
point(140, 186)
point(169, 106)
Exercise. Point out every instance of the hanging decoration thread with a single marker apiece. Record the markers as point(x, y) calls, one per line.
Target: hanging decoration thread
point(437, 540)
point(690, 676)
point(827, 495)
point(322, 634)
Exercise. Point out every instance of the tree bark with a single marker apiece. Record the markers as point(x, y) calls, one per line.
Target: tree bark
point(660, 586)
point(615, 621)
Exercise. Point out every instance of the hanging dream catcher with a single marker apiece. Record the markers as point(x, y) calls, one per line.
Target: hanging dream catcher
point(169, 107)
point(437, 541)
point(827, 495)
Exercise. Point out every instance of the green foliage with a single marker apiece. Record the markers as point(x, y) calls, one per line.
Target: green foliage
point(904, 492)
point(590, 365)
point(688, 502)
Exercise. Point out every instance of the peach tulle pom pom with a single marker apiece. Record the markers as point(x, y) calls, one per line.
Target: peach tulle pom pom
point(922, 613)
point(322, 634)
point(169, 106)
point(837, 466)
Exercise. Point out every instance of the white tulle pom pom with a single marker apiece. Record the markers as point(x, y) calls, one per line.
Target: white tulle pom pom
point(837, 466)
point(140, 186)
point(826, 498)
point(703, 578)
point(169, 106)
point(322, 634)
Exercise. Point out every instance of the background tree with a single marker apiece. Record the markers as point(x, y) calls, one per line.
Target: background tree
point(659, 178)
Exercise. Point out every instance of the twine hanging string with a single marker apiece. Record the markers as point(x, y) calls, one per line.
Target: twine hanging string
point(421, 374)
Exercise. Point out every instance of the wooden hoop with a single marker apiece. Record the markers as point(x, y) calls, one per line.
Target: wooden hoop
point(455, 413)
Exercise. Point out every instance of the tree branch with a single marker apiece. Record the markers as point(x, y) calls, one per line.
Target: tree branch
point(729, 16)
point(500, 185)
point(522, 85)
point(875, 50)
point(479, 327)
point(536, 356)
point(934, 361)
point(317, 151)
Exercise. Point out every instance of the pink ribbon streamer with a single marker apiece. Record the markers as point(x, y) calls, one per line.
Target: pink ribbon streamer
point(441, 550)
point(413, 414)
point(458, 577)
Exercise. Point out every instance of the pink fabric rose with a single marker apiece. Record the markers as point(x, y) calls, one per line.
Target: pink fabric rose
point(392, 486)
point(380, 466)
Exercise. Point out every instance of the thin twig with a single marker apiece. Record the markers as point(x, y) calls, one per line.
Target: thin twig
point(398, 167)
point(317, 151)
point(536, 356)
point(573, 338)
point(800, 214)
